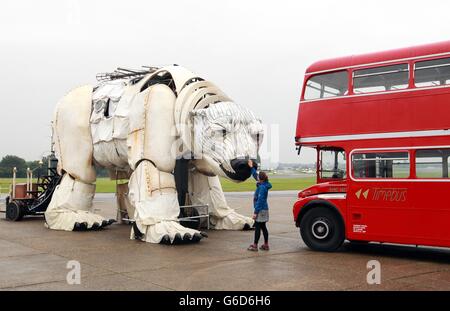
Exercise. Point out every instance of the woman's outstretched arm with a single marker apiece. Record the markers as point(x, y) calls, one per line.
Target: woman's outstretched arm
point(254, 173)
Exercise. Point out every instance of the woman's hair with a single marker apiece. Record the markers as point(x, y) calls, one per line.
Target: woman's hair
point(263, 176)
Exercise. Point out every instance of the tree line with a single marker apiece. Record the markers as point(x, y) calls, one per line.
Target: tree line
point(8, 162)
point(39, 167)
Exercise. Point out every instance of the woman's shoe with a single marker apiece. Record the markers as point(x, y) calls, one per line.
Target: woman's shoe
point(253, 248)
point(264, 247)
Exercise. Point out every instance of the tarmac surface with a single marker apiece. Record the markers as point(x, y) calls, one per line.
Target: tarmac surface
point(35, 258)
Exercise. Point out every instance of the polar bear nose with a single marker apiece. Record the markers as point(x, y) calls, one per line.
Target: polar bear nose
point(240, 166)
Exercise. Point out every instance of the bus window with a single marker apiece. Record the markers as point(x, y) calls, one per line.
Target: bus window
point(327, 85)
point(386, 78)
point(432, 163)
point(381, 165)
point(332, 164)
point(432, 72)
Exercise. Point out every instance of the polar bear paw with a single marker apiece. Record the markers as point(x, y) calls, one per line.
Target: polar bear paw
point(166, 232)
point(68, 220)
point(233, 221)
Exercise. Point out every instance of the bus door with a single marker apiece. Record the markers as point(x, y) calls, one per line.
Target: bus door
point(378, 197)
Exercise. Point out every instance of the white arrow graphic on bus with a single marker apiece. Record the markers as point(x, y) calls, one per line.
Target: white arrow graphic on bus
point(365, 193)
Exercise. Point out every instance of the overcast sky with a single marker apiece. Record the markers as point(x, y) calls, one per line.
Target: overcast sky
point(256, 51)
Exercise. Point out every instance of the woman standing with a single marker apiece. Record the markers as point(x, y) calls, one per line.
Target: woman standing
point(261, 208)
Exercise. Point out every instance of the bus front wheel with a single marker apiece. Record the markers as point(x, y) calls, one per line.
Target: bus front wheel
point(322, 229)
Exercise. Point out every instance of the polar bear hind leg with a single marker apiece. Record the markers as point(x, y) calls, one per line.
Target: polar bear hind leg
point(70, 207)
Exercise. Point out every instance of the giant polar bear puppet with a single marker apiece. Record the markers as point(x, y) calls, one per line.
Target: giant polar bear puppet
point(137, 128)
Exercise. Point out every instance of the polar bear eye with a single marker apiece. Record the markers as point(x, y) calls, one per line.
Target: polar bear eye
point(219, 133)
point(218, 130)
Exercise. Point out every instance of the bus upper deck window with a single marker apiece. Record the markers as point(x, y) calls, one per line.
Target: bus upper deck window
point(386, 78)
point(432, 72)
point(327, 85)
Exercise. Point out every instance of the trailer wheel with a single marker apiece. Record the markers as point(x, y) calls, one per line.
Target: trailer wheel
point(14, 211)
point(322, 229)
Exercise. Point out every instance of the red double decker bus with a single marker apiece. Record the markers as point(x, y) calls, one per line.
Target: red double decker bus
point(380, 123)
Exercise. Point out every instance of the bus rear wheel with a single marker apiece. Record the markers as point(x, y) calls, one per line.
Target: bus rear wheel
point(322, 229)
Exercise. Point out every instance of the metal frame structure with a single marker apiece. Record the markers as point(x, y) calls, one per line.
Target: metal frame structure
point(36, 201)
point(126, 73)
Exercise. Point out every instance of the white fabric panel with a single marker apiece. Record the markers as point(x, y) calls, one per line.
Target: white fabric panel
point(121, 127)
point(98, 111)
point(125, 102)
point(135, 138)
point(112, 107)
point(208, 190)
point(136, 114)
point(111, 154)
point(151, 128)
point(135, 144)
point(72, 135)
point(71, 203)
point(122, 150)
point(110, 89)
point(109, 133)
point(159, 128)
point(102, 130)
point(75, 195)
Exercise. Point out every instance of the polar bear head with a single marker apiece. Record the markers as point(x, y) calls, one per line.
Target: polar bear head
point(225, 136)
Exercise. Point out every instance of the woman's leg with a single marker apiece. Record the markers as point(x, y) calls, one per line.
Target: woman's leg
point(265, 232)
point(257, 232)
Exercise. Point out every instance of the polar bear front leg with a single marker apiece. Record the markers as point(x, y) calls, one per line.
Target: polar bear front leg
point(153, 194)
point(208, 190)
point(70, 207)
